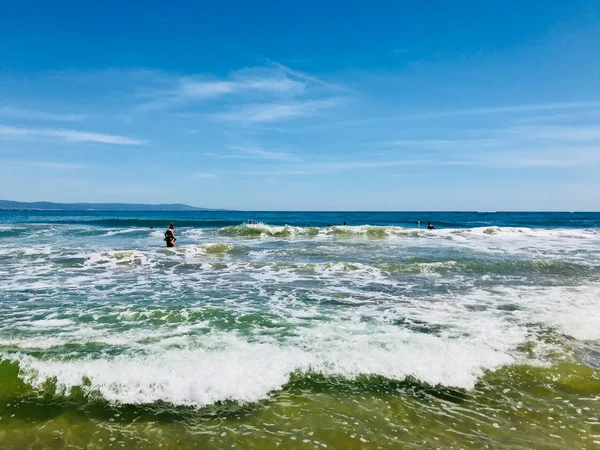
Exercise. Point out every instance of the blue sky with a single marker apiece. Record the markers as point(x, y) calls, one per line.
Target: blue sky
point(313, 105)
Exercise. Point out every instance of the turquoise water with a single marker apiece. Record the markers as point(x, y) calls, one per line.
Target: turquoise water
point(377, 334)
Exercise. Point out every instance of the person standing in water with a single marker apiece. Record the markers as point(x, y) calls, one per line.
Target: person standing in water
point(170, 236)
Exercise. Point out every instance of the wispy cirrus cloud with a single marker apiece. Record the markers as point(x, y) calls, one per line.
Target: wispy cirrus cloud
point(537, 148)
point(558, 132)
point(309, 79)
point(560, 117)
point(523, 108)
point(143, 191)
point(541, 158)
point(328, 166)
point(31, 114)
point(442, 144)
point(544, 146)
point(253, 82)
point(254, 153)
point(516, 108)
point(274, 112)
point(490, 160)
point(200, 175)
point(74, 136)
point(46, 164)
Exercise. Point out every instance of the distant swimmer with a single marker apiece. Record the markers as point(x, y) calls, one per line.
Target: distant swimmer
point(170, 236)
point(430, 226)
point(344, 223)
point(419, 223)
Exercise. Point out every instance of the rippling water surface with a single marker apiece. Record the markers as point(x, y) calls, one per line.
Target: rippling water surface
point(377, 334)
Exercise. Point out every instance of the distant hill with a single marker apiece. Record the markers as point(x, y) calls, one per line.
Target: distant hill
point(7, 204)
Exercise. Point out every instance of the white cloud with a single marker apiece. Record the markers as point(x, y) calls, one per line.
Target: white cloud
point(273, 112)
point(513, 147)
point(30, 114)
point(252, 153)
point(275, 85)
point(66, 135)
point(523, 158)
point(474, 111)
point(146, 192)
point(504, 148)
point(529, 160)
point(46, 164)
point(258, 153)
point(200, 175)
point(253, 81)
point(444, 144)
point(204, 90)
point(532, 162)
point(518, 108)
point(551, 117)
point(306, 77)
point(324, 167)
point(559, 132)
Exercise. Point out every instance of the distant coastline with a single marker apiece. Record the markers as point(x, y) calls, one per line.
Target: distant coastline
point(51, 206)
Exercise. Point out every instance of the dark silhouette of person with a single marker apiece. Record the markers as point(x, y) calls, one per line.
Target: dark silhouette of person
point(170, 236)
point(430, 226)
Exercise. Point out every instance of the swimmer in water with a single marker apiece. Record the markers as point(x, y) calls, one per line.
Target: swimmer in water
point(430, 226)
point(170, 236)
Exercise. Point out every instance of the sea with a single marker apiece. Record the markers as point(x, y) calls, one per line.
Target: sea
point(291, 330)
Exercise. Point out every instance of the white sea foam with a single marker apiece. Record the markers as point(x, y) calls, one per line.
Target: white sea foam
point(50, 323)
point(227, 316)
point(206, 368)
point(572, 310)
point(114, 259)
point(391, 230)
point(230, 368)
point(492, 240)
point(125, 231)
point(193, 234)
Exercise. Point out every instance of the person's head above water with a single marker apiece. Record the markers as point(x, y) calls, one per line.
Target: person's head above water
point(171, 226)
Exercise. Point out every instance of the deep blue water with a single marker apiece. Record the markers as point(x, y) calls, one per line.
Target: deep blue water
point(210, 219)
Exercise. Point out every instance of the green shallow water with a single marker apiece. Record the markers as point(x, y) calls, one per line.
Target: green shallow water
point(514, 407)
